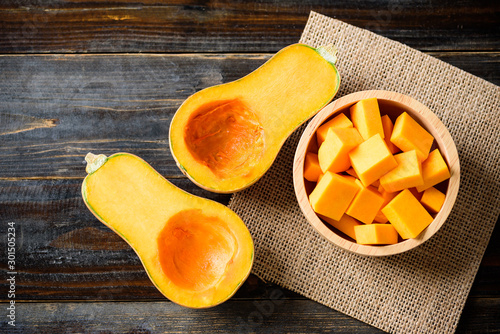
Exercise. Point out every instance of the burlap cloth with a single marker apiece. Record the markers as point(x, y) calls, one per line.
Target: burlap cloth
point(423, 290)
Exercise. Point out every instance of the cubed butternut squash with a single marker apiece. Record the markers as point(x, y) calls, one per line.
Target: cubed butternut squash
point(434, 170)
point(392, 167)
point(432, 199)
point(387, 125)
point(365, 115)
point(407, 215)
point(333, 152)
point(371, 159)
point(407, 174)
point(345, 224)
point(376, 234)
point(340, 121)
point(366, 204)
point(332, 195)
point(408, 135)
point(312, 171)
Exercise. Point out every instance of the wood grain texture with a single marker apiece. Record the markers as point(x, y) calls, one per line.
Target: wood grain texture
point(54, 109)
point(57, 261)
point(480, 315)
point(273, 315)
point(114, 73)
point(235, 26)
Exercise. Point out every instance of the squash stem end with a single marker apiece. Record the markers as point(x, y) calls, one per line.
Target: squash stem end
point(94, 162)
point(329, 52)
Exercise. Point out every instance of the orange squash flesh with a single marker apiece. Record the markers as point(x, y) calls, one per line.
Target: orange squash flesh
point(194, 249)
point(197, 252)
point(225, 137)
point(406, 198)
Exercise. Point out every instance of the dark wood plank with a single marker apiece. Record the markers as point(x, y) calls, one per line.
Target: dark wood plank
point(59, 100)
point(64, 253)
point(487, 281)
point(482, 64)
point(235, 26)
point(278, 314)
point(480, 315)
point(56, 108)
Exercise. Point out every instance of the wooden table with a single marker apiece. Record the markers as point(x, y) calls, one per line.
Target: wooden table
point(107, 76)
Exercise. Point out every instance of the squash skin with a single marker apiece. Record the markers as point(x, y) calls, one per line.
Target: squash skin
point(280, 103)
point(114, 207)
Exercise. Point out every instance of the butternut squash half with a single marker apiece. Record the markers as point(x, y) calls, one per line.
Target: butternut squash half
point(225, 137)
point(197, 252)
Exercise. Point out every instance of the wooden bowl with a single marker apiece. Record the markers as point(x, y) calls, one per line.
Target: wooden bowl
point(392, 104)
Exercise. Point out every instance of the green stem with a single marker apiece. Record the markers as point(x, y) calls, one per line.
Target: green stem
point(329, 52)
point(94, 162)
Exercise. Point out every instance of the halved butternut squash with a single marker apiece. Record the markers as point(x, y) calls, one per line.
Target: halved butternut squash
point(197, 252)
point(225, 137)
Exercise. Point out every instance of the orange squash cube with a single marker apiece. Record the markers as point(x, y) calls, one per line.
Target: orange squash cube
point(434, 170)
point(365, 115)
point(433, 199)
point(407, 174)
point(408, 135)
point(332, 195)
point(407, 215)
point(376, 234)
point(345, 224)
point(333, 153)
point(312, 171)
point(366, 204)
point(340, 122)
point(372, 159)
point(387, 196)
point(388, 126)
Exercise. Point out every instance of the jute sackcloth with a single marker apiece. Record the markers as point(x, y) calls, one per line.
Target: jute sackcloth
point(420, 291)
